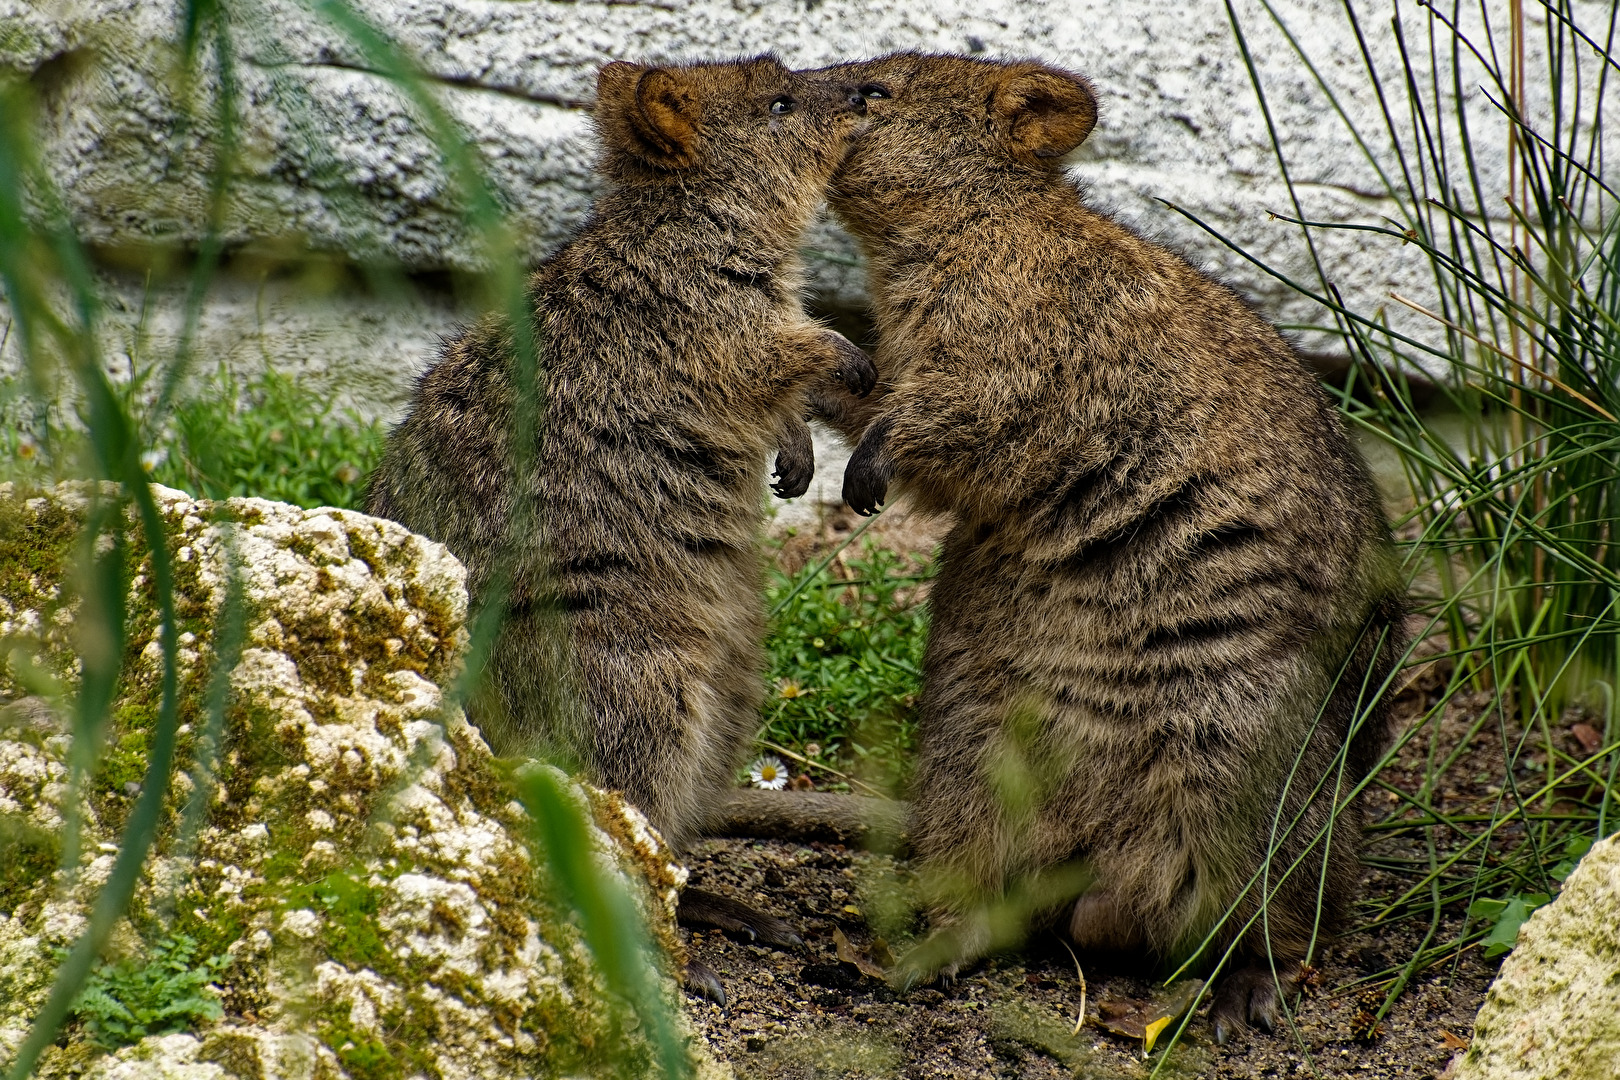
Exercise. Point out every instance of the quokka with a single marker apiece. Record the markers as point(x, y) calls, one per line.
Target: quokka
point(675, 356)
point(1166, 555)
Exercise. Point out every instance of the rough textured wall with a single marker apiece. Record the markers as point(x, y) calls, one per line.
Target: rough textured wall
point(334, 159)
point(365, 877)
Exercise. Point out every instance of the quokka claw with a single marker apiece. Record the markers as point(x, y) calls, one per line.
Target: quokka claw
point(1251, 997)
point(700, 979)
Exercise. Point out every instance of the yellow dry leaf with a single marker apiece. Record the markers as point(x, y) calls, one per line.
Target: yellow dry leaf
point(1150, 1034)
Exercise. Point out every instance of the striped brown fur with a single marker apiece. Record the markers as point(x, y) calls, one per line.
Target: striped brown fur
point(675, 357)
point(1165, 547)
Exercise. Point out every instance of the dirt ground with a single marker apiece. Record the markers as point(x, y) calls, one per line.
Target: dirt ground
point(808, 1017)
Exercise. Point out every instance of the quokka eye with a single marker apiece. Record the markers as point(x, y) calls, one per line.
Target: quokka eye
point(782, 106)
point(874, 92)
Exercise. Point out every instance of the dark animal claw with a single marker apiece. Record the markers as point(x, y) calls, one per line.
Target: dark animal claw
point(700, 979)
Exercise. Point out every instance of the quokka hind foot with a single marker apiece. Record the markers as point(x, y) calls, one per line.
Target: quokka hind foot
point(955, 944)
point(701, 908)
point(700, 980)
point(1251, 996)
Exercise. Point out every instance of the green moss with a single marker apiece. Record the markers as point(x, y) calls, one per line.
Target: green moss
point(125, 762)
point(36, 548)
point(19, 41)
point(349, 930)
point(29, 854)
point(238, 1054)
point(362, 546)
point(364, 1057)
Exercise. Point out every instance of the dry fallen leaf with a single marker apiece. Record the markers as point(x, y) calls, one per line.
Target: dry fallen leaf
point(1452, 1042)
point(1146, 1020)
point(1590, 738)
point(849, 954)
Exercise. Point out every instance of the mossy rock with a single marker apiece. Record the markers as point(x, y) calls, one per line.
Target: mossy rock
point(1553, 1012)
point(361, 860)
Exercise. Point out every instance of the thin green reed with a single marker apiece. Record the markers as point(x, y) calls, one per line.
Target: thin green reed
point(1512, 521)
point(199, 17)
point(115, 456)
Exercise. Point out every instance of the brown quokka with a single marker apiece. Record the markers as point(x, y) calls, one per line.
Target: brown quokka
point(674, 358)
point(1166, 554)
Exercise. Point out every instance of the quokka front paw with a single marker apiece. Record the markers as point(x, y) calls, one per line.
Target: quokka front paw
point(795, 462)
point(855, 369)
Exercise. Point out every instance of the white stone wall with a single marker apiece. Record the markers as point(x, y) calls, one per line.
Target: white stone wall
point(334, 158)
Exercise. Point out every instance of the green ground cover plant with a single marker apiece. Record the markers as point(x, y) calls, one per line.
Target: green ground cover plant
point(165, 991)
point(271, 437)
point(845, 659)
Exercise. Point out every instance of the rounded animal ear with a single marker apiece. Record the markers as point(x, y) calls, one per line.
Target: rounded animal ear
point(668, 112)
point(1044, 113)
point(650, 112)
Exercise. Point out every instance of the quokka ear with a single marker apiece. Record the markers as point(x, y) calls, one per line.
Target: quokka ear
point(649, 111)
point(1044, 113)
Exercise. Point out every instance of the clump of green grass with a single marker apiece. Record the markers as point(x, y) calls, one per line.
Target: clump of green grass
point(845, 657)
point(271, 437)
point(165, 991)
point(1510, 546)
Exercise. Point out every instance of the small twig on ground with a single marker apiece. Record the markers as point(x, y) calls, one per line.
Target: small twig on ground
point(1079, 1021)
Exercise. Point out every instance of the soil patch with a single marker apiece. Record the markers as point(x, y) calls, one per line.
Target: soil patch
point(798, 1017)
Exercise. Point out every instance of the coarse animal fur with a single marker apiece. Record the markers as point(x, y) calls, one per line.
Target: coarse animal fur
point(674, 357)
point(1166, 553)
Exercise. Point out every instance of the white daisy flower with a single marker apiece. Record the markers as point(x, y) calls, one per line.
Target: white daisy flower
point(768, 772)
point(151, 459)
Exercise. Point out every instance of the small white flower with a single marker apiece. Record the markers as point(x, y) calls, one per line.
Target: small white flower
point(27, 446)
point(151, 459)
point(768, 772)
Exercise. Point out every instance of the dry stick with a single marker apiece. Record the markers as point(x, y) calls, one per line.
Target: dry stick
point(785, 752)
point(1079, 1021)
point(1476, 339)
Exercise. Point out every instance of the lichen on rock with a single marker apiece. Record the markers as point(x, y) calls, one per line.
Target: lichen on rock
point(361, 862)
point(1554, 1009)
